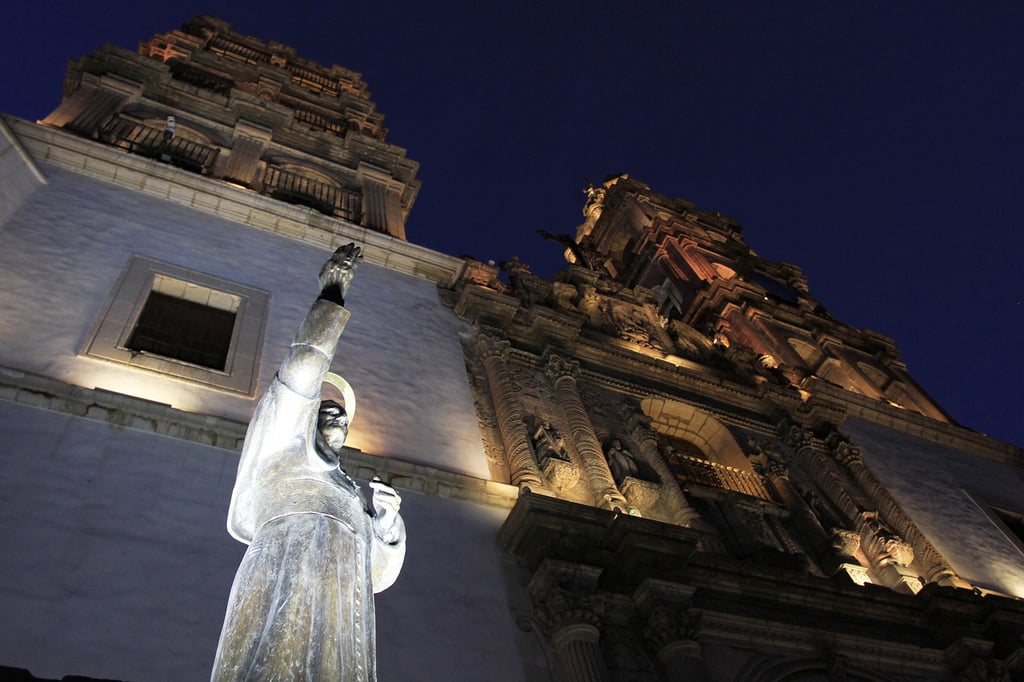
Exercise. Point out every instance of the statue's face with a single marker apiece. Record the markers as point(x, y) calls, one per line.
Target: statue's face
point(332, 422)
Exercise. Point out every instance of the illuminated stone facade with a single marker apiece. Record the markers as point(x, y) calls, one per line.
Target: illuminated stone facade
point(670, 462)
point(729, 497)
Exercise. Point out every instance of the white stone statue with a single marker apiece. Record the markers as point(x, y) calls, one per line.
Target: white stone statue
point(301, 606)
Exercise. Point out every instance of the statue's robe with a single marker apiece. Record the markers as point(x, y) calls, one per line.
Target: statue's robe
point(301, 606)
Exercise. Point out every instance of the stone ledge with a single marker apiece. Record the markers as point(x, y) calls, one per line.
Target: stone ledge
point(118, 410)
point(216, 197)
point(919, 425)
point(123, 411)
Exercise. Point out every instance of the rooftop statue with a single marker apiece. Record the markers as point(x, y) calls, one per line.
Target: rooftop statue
point(301, 606)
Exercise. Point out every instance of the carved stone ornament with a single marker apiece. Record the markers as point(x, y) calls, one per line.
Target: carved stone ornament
point(843, 450)
point(845, 542)
point(794, 435)
point(881, 544)
point(489, 345)
point(565, 594)
point(558, 366)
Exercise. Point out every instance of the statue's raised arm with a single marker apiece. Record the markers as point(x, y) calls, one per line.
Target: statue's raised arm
point(302, 601)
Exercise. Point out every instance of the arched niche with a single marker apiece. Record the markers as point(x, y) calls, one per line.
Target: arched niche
point(685, 422)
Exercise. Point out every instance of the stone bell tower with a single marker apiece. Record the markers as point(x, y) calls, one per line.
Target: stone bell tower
point(212, 101)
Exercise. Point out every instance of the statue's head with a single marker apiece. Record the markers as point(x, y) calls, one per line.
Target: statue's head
point(332, 423)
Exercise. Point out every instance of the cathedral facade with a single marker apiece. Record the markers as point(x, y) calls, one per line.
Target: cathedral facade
point(668, 462)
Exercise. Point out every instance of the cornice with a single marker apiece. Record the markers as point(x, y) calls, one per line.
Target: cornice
point(214, 197)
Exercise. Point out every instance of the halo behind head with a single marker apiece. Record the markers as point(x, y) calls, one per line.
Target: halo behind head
point(347, 394)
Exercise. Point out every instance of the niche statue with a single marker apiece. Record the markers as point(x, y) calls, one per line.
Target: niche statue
point(301, 606)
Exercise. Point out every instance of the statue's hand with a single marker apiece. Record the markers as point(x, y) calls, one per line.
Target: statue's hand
point(386, 502)
point(341, 268)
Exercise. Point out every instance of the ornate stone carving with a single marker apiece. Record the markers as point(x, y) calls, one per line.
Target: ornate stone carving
point(558, 367)
point(563, 373)
point(523, 469)
point(882, 544)
point(564, 594)
point(638, 425)
point(551, 454)
point(547, 442)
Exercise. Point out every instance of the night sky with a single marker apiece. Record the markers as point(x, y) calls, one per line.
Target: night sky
point(877, 145)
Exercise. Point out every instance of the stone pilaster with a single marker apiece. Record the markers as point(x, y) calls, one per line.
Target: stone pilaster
point(827, 476)
point(381, 201)
point(523, 470)
point(242, 164)
point(563, 372)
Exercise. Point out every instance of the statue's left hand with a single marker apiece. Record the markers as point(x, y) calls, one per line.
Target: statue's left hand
point(386, 503)
point(341, 268)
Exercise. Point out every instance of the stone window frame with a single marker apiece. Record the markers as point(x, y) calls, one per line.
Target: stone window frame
point(121, 312)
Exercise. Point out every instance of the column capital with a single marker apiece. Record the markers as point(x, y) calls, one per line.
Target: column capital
point(557, 366)
point(565, 595)
point(844, 452)
point(794, 435)
point(490, 345)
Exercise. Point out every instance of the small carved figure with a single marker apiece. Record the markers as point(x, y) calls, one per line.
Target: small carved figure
point(621, 462)
point(548, 444)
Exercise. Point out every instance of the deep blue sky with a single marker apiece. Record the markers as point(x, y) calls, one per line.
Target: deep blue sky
point(877, 145)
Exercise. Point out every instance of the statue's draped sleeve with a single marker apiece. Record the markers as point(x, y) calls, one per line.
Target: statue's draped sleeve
point(279, 442)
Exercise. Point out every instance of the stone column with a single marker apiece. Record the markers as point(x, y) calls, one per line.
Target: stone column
point(579, 654)
point(647, 440)
point(566, 602)
point(562, 373)
point(670, 628)
point(936, 570)
point(823, 472)
point(809, 530)
point(523, 469)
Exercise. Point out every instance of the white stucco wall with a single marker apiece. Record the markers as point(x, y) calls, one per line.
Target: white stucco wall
point(61, 254)
point(115, 563)
point(943, 490)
